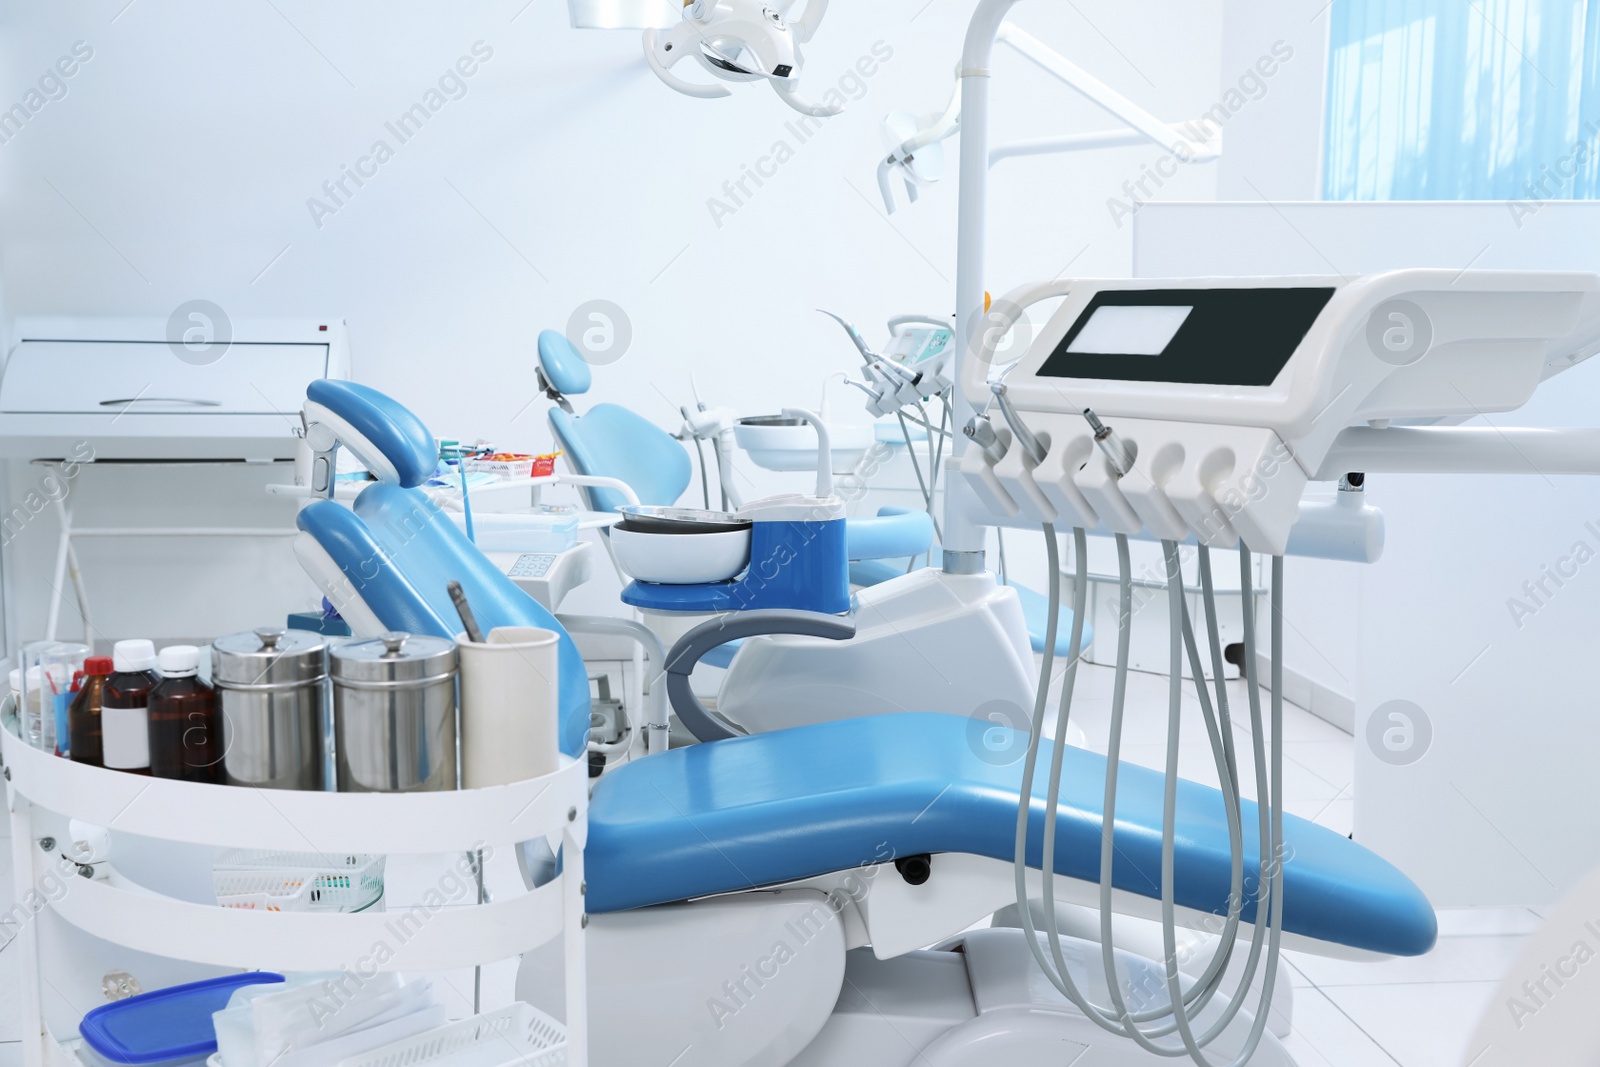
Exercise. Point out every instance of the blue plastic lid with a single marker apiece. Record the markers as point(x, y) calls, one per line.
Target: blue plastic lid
point(166, 1024)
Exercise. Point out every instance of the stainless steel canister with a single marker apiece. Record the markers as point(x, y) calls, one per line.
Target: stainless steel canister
point(394, 714)
point(270, 687)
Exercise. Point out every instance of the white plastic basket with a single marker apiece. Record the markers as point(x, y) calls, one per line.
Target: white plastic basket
point(297, 881)
point(515, 1036)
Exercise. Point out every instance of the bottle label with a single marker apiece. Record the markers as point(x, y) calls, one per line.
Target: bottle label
point(125, 738)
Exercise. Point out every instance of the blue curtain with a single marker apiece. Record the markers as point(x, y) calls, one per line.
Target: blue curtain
point(1463, 100)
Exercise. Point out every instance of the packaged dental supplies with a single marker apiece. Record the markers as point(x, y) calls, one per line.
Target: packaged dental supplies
point(324, 1019)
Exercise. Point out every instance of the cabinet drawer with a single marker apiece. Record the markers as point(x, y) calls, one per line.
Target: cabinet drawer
point(133, 377)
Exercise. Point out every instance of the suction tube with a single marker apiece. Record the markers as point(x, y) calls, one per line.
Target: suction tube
point(1183, 1007)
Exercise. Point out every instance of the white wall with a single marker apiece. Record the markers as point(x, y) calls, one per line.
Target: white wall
point(180, 161)
point(1274, 147)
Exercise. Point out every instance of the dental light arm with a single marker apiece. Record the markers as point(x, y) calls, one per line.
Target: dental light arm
point(1138, 126)
point(805, 27)
point(738, 41)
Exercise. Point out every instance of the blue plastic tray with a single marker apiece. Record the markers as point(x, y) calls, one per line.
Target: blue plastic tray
point(166, 1024)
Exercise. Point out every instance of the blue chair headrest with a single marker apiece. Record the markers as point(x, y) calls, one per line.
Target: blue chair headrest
point(384, 435)
point(565, 370)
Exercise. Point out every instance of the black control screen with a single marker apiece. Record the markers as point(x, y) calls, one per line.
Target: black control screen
point(1187, 336)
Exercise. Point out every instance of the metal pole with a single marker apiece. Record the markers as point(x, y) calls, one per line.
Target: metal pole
point(576, 920)
point(27, 939)
point(964, 538)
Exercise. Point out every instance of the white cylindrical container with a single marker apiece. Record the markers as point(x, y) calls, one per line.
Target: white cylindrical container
point(510, 706)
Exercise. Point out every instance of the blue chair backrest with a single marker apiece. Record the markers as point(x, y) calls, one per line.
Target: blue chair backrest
point(566, 370)
point(399, 552)
point(613, 442)
point(381, 425)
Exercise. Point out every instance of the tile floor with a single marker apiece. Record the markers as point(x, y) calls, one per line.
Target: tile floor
point(1412, 1013)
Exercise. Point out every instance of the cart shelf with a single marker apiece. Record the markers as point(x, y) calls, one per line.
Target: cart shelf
point(436, 934)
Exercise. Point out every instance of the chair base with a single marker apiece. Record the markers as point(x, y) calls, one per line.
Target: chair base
point(913, 636)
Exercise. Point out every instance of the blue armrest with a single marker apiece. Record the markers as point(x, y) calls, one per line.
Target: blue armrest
point(894, 533)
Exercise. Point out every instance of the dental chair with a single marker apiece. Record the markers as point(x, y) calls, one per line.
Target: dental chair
point(613, 442)
point(768, 900)
point(385, 562)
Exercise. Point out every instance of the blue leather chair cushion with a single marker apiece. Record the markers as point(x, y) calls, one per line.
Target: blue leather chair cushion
point(613, 442)
point(894, 533)
point(563, 367)
point(391, 428)
point(776, 807)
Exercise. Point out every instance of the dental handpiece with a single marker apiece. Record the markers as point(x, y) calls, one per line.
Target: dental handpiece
point(1031, 446)
point(1118, 455)
point(981, 431)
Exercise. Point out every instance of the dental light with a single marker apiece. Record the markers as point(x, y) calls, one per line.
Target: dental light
point(914, 143)
point(738, 41)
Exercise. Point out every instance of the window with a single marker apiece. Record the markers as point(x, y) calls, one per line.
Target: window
point(1463, 100)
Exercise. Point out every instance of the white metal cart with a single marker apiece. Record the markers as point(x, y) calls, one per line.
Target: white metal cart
point(554, 807)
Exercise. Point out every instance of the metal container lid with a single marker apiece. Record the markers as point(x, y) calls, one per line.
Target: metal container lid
point(268, 658)
point(394, 659)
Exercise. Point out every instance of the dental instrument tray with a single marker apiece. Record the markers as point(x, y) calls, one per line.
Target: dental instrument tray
point(258, 880)
point(519, 1034)
point(659, 520)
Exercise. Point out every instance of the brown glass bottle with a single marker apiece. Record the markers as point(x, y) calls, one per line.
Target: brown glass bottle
point(185, 731)
point(124, 723)
point(83, 715)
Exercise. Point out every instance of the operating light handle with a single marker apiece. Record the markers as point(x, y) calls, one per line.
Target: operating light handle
point(790, 95)
point(675, 47)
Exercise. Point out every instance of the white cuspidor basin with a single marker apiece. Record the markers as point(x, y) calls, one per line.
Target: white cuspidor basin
point(682, 559)
point(794, 448)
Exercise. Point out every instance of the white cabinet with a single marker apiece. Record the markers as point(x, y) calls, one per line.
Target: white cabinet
point(132, 378)
point(120, 389)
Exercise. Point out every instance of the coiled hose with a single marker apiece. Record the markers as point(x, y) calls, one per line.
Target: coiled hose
point(1146, 1027)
